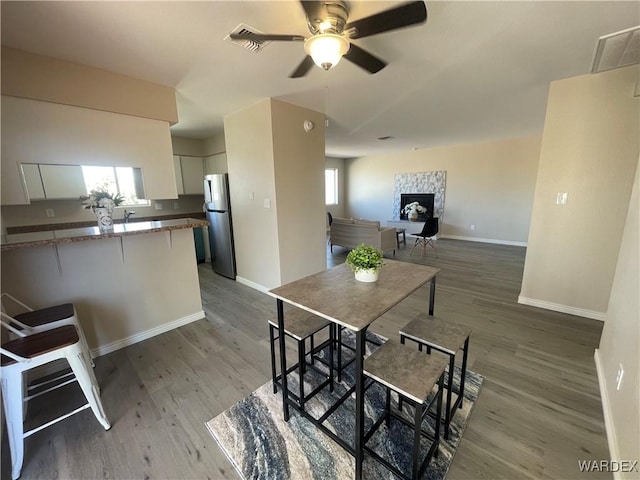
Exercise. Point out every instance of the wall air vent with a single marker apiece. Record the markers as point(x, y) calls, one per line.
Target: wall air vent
point(616, 50)
point(254, 46)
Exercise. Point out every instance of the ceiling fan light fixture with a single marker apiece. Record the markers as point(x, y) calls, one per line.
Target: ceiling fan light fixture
point(326, 49)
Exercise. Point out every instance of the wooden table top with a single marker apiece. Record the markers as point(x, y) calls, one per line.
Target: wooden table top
point(336, 295)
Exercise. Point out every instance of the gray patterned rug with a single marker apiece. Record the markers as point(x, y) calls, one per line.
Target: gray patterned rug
point(261, 445)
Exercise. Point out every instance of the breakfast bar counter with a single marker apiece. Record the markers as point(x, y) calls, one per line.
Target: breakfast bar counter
point(71, 235)
point(135, 281)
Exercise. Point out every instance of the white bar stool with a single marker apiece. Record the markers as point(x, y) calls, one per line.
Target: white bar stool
point(34, 321)
point(31, 351)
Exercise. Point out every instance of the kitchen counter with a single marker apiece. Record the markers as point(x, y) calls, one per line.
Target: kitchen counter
point(139, 280)
point(72, 235)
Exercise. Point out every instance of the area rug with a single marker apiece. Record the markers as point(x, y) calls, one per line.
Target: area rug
point(261, 445)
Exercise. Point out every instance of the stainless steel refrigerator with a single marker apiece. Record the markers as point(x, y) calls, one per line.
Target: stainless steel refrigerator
point(218, 211)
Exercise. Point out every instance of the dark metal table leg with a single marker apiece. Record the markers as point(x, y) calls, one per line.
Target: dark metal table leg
point(283, 359)
point(359, 433)
point(432, 295)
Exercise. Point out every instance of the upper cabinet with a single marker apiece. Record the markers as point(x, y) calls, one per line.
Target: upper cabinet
point(216, 163)
point(33, 180)
point(62, 181)
point(189, 175)
point(178, 171)
point(53, 182)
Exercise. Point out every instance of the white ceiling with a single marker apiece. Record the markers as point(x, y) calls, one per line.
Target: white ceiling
point(475, 71)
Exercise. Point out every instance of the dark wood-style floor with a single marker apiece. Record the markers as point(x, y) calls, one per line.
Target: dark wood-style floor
point(538, 413)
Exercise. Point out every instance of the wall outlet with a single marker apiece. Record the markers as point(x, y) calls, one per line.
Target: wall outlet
point(619, 377)
point(472, 228)
point(159, 206)
point(561, 198)
point(50, 213)
point(266, 203)
point(176, 205)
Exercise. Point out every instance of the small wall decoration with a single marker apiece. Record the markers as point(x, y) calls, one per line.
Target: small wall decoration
point(420, 182)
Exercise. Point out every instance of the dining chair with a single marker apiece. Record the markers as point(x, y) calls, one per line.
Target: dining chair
point(302, 326)
point(425, 237)
point(26, 352)
point(413, 376)
point(447, 337)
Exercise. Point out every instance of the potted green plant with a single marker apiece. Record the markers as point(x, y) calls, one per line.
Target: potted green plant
point(365, 261)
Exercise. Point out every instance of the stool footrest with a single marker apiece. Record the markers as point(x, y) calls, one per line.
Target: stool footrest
point(56, 420)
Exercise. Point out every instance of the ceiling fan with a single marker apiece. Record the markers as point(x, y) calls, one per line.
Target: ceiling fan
point(332, 34)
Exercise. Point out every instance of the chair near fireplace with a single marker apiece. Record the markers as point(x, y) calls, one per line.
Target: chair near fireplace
point(425, 237)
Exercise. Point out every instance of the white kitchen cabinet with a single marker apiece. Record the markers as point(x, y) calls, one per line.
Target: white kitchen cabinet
point(32, 178)
point(62, 181)
point(215, 163)
point(178, 171)
point(192, 175)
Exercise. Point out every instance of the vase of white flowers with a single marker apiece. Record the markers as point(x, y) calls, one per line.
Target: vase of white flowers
point(412, 210)
point(102, 202)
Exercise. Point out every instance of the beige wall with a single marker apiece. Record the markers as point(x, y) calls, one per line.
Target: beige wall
point(339, 209)
point(299, 180)
point(590, 150)
point(620, 343)
point(272, 159)
point(43, 132)
point(28, 75)
point(489, 185)
point(251, 173)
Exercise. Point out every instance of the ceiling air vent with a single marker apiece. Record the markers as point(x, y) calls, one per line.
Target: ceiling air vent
point(251, 45)
point(619, 49)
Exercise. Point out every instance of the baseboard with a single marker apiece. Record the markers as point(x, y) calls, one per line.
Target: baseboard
point(152, 332)
point(254, 285)
point(614, 452)
point(558, 307)
point(58, 365)
point(484, 240)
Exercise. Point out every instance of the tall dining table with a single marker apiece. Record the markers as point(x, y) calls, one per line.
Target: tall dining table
point(334, 294)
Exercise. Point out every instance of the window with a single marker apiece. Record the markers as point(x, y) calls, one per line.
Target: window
point(331, 186)
point(126, 181)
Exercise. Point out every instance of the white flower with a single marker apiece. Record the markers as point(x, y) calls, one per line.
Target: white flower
point(106, 203)
point(414, 206)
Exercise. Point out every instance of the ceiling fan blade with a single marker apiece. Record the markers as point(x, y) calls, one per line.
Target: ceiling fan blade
point(399, 17)
point(315, 10)
point(303, 68)
point(364, 59)
point(266, 37)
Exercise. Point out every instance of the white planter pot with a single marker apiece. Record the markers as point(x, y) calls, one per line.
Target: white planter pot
point(105, 218)
point(367, 275)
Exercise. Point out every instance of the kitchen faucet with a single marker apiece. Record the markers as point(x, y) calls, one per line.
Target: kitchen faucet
point(127, 214)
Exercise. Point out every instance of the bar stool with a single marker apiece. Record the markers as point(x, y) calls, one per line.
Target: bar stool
point(412, 376)
point(34, 321)
point(30, 351)
point(341, 366)
point(447, 337)
point(301, 325)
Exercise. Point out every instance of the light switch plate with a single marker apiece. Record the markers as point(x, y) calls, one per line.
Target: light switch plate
point(266, 203)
